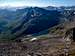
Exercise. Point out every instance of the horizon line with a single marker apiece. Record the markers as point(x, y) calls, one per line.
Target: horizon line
point(9, 6)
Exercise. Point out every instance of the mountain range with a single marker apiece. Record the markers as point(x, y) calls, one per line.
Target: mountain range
point(20, 22)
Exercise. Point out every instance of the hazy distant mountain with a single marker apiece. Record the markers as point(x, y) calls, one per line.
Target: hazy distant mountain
point(51, 8)
point(60, 8)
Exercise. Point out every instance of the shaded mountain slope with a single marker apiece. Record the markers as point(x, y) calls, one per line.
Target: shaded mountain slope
point(27, 21)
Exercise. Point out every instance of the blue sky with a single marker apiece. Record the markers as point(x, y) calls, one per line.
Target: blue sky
point(41, 3)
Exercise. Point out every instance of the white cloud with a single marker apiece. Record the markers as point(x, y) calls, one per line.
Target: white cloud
point(19, 4)
point(14, 4)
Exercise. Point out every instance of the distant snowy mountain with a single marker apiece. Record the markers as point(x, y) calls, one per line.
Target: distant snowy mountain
point(60, 8)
